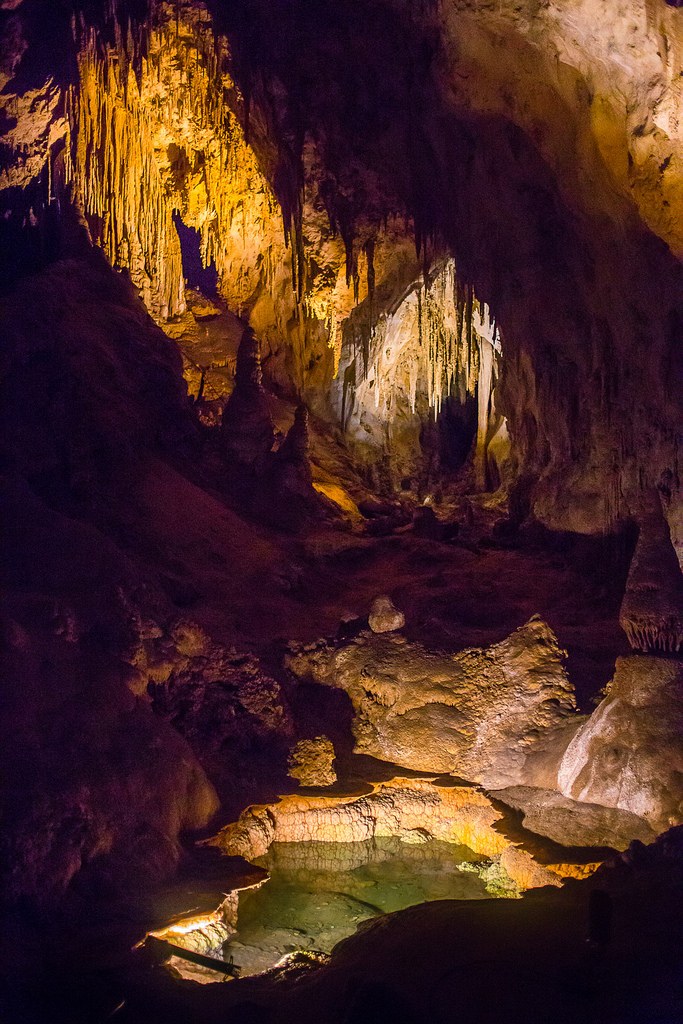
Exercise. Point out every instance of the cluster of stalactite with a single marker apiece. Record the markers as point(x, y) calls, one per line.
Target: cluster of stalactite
point(651, 613)
point(153, 129)
point(447, 338)
point(153, 132)
point(112, 155)
point(653, 637)
point(428, 349)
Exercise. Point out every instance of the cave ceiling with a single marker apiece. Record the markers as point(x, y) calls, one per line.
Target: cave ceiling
point(331, 156)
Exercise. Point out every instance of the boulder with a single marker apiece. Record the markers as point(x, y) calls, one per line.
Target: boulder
point(286, 498)
point(479, 714)
point(629, 754)
point(384, 616)
point(310, 761)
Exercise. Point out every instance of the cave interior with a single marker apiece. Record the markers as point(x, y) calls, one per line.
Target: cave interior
point(342, 521)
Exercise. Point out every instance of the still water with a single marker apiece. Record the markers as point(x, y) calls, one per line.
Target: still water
point(318, 893)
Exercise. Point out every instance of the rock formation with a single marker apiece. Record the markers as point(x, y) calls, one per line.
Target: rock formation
point(246, 427)
point(311, 762)
point(384, 616)
point(413, 810)
point(629, 752)
point(652, 610)
point(450, 233)
point(477, 714)
point(94, 783)
point(573, 823)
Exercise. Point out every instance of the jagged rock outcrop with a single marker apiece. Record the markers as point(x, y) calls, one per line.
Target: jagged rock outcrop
point(652, 610)
point(629, 753)
point(480, 714)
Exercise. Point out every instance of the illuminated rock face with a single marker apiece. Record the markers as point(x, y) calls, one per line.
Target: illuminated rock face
point(529, 143)
point(480, 714)
point(629, 753)
point(531, 133)
point(411, 809)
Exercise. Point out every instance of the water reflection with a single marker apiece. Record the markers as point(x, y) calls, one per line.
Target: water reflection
point(318, 893)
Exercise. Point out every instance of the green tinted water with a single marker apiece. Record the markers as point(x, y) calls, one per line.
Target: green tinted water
point(318, 893)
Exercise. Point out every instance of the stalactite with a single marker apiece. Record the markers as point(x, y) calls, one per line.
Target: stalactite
point(421, 347)
point(142, 88)
point(370, 253)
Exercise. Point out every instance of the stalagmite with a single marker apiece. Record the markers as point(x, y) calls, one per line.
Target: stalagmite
point(246, 428)
point(286, 496)
point(296, 445)
point(651, 613)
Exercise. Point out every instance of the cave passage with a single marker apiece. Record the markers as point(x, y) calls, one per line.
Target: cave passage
point(340, 471)
point(196, 274)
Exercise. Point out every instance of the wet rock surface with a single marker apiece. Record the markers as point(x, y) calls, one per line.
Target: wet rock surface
point(417, 964)
point(415, 811)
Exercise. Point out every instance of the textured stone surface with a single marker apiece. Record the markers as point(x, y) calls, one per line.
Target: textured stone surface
point(571, 823)
point(478, 714)
point(629, 754)
point(310, 761)
point(411, 809)
point(384, 616)
point(652, 610)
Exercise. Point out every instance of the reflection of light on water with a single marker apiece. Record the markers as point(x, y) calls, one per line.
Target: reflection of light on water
point(318, 893)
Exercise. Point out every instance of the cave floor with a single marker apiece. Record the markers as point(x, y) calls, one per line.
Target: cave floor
point(254, 590)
